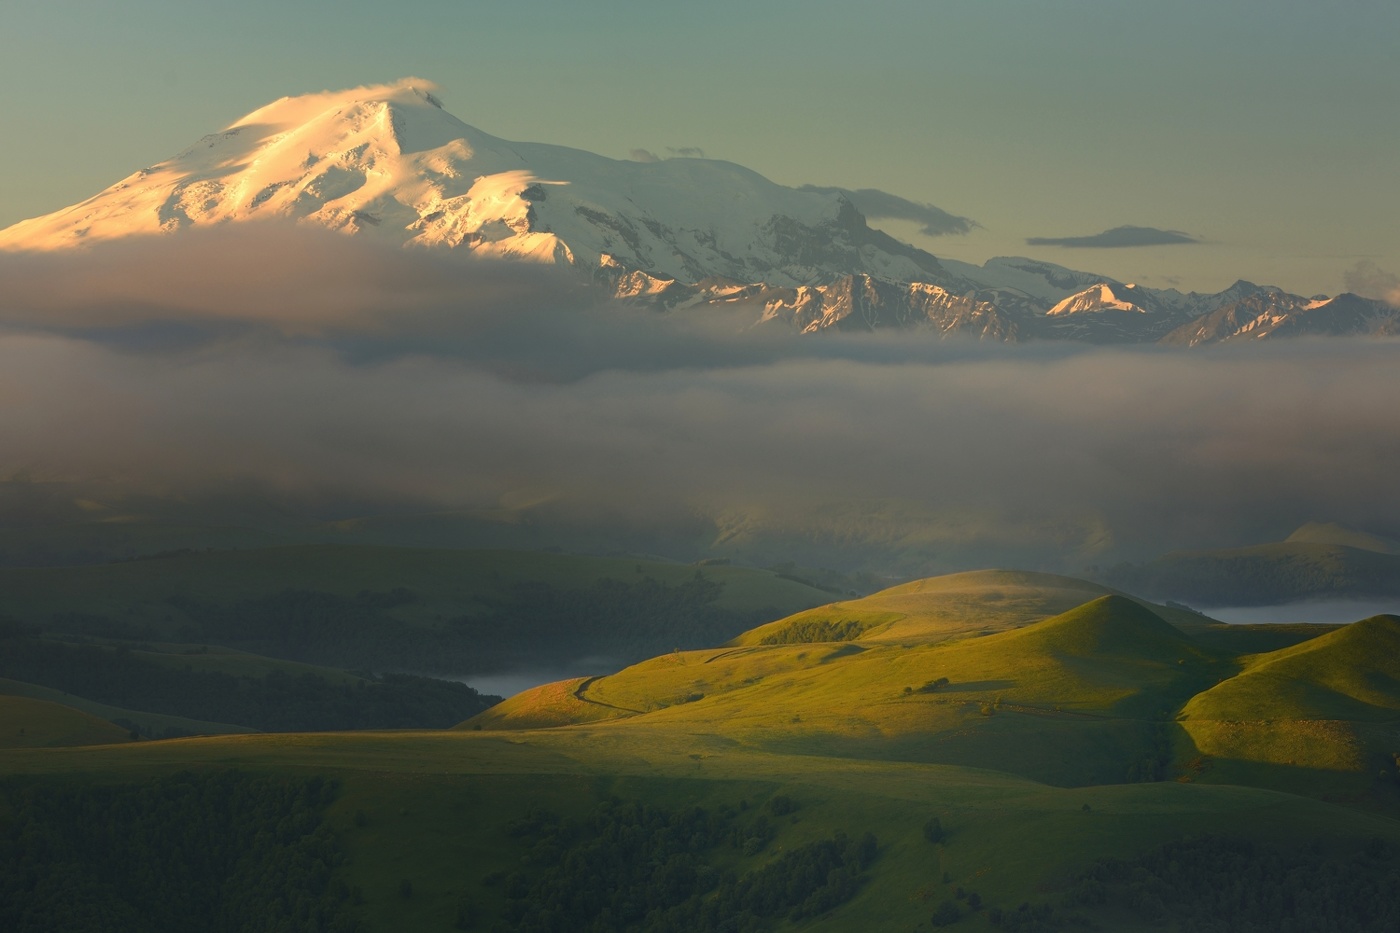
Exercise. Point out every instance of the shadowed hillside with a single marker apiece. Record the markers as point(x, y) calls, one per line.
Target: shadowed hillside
point(1317, 561)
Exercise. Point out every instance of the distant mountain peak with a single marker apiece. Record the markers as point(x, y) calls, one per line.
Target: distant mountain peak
point(1335, 534)
point(388, 162)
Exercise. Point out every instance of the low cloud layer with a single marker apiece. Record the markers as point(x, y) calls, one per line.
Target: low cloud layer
point(877, 204)
point(1117, 238)
point(325, 369)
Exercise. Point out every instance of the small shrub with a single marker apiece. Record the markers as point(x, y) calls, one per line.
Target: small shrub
point(781, 805)
point(947, 914)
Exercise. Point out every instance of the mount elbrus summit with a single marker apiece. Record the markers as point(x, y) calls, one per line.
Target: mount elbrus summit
point(390, 162)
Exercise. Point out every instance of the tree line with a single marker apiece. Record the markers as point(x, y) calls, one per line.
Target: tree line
point(276, 702)
point(529, 624)
point(644, 869)
point(223, 853)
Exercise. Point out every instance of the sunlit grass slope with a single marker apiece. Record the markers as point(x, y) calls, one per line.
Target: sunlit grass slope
point(1351, 673)
point(27, 722)
point(1072, 699)
point(152, 723)
point(1329, 705)
point(951, 606)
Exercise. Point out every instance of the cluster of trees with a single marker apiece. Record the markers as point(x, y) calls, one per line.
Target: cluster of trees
point(276, 702)
point(1155, 761)
point(643, 869)
point(225, 853)
point(531, 624)
point(1036, 918)
point(308, 625)
point(1220, 885)
point(806, 631)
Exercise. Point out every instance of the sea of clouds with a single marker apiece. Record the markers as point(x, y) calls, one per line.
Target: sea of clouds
point(337, 375)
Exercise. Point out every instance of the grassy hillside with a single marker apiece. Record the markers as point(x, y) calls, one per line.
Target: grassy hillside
point(144, 722)
point(1008, 765)
point(938, 608)
point(27, 722)
point(447, 581)
point(1302, 715)
point(1332, 533)
point(443, 812)
point(1106, 692)
point(1080, 698)
point(406, 609)
point(222, 686)
point(1351, 673)
point(1314, 566)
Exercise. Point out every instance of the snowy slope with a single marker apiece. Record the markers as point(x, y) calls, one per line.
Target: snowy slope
point(390, 162)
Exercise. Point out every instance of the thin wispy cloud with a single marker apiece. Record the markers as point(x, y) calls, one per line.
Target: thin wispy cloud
point(1117, 238)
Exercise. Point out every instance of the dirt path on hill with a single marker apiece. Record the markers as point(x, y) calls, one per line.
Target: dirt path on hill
point(579, 691)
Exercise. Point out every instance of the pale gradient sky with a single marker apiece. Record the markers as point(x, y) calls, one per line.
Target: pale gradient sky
point(1270, 130)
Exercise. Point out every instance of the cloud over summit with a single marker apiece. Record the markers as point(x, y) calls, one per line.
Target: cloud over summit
point(874, 204)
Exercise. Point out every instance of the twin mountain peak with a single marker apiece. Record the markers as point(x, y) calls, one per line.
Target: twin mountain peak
point(390, 163)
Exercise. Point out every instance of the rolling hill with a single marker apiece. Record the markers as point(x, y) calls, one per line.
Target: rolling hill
point(1107, 691)
point(1318, 561)
point(1047, 763)
point(405, 609)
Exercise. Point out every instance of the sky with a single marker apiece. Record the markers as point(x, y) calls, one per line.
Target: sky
point(1259, 138)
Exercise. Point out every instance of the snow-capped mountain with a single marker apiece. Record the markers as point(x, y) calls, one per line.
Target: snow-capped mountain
point(389, 162)
point(1274, 313)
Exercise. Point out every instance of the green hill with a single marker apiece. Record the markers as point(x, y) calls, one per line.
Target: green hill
point(1074, 699)
point(466, 820)
point(1111, 627)
point(1299, 714)
point(1315, 562)
point(1332, 533)
point(447, 611)
point(27, 722)
point(1061, 762)
point(1351, 673)
point(938, 608)
point(216, 685)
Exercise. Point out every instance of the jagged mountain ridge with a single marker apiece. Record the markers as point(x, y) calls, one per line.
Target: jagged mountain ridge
point(389, 162)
